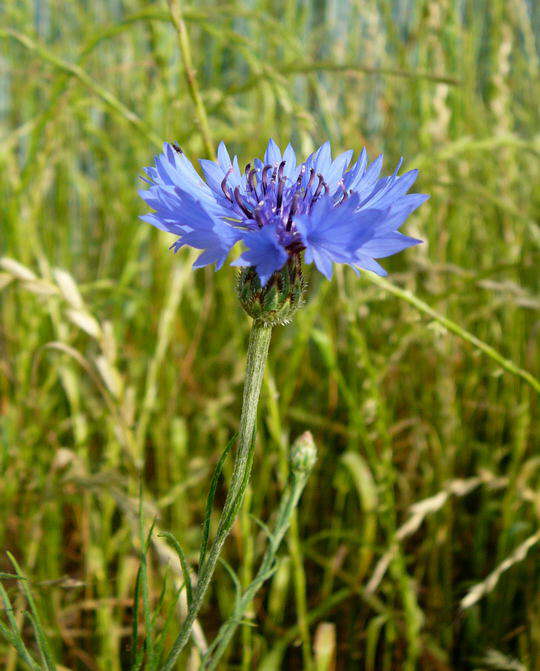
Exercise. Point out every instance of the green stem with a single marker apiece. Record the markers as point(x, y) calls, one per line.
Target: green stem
point(193, 86)
point(259, 340)
point(285, 515)
point(248, 559)
point(299, 578)
point(458, 330)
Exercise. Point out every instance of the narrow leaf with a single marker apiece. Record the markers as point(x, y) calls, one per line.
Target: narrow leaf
point(34, 616)
point(182, 557)
point(210, 501)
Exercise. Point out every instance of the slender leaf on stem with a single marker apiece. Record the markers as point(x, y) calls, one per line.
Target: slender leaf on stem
point(43, 643)
point(267, 568)
point(235, 580)
point(185, 568)
point(210, 500)
point(145, 540)
point(458, 330)
point(13, 634)
point(136, 653)
point(259, 342)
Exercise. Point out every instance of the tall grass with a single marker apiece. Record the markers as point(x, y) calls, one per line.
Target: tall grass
point(416, 542)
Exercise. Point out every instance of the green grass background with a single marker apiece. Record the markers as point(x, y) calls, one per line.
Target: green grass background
point(118, 362)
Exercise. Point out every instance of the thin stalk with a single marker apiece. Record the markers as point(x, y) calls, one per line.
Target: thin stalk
point(299, 578)
point(248, 558)
point(285, 515)
point(193, 86)
point(458, 330)
point(259, 340)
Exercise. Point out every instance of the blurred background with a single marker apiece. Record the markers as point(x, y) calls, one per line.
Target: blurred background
point(117, 361)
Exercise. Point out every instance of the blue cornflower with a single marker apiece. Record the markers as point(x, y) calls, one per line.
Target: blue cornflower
point(280, 208)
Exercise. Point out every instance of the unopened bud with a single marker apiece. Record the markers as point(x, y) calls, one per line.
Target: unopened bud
point(303, 453)
point(279, 299)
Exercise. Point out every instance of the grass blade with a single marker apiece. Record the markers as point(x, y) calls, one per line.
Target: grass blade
point(458, 330)
point(41, 637)
point(210, 501)
point(12, 634)
point(182, 557)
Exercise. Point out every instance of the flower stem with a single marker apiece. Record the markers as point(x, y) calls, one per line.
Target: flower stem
point(259, 340)
point(299, 580)
point(286, 511)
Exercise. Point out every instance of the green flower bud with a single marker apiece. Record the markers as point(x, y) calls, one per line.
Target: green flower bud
point(303, 454)
point(276, 302)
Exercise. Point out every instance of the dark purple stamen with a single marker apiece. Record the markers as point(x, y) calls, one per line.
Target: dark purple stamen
point(279, 197)
point(281, 169)
point(319, 188)
point(311, 180)
point(251, 181)
point(265, 177)
point(258, 218)
point(344, 190)
point(224, 186)
point(241, 205)
point(293, 209)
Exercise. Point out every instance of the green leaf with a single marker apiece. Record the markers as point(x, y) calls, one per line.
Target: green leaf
point(13, 635)
point(210, 500)
point(182, 557)
point(42, 641)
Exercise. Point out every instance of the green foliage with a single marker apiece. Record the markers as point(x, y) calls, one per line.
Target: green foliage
point(416, 541)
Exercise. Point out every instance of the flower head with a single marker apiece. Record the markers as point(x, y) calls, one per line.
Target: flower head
point(280, 209)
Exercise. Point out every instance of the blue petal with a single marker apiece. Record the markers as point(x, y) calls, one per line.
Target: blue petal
point(365, 262)
point(213, 173)
point(389, 244)
point(213, 255)
point(328, 234)
point(322, 158)
point(224, 159)
point(175, 169)
point(396, 190)
point(364, 186)
point(264, 252)
point(322, 259)
point(206, 233)
point(171, 227)
point(401, 210)
point(353, 176)
point(272, 154)
point(290, 171)
point(335, 171)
